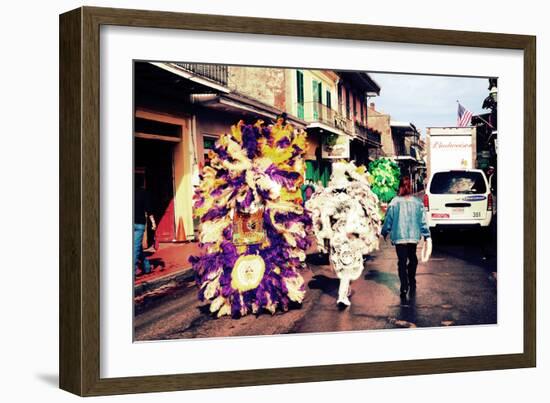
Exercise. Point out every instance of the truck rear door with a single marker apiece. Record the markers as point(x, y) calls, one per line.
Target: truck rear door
point(458, 195)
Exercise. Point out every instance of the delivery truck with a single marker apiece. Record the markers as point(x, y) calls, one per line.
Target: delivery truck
point(450, 148)
point(458, 194)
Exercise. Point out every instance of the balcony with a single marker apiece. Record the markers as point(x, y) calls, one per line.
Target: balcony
point(367, 135)
point(316, 112)
point(213, 72)
point(361, 132)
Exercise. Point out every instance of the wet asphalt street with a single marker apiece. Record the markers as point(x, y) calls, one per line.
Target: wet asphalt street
point(458, 286)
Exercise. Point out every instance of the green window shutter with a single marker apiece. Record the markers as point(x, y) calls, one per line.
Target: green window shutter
point(300, 93)
point(325, 171)
point(315, 90)
point(310, 170)
point(315, 87)
point(300, 86)
point(329, 100)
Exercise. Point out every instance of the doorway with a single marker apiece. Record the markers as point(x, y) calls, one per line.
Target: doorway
point(154, 160)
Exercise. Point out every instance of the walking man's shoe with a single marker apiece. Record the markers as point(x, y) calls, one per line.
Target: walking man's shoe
point(344, 302)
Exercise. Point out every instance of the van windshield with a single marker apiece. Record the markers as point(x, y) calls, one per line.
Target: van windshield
point(458, 182)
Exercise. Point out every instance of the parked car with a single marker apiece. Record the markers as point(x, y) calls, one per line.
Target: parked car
point(458, 199)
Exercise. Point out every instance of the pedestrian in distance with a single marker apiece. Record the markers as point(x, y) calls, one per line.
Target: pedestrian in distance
point(142, 212)
point(405, 222)
point(492, 179)
point(307, 190)
point(491, 175)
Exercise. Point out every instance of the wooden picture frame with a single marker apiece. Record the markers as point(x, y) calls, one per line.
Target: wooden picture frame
point(80, 199)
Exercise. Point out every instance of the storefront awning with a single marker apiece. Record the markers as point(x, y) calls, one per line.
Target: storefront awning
point(325, 128)
point(247, 107)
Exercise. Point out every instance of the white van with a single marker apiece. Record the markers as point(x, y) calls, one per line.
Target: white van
point(458, 198)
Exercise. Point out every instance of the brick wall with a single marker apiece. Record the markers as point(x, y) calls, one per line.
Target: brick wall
point(381, 122)
point(267, 85)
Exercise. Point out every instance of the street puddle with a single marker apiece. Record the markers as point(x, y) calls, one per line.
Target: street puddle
point(401, 323)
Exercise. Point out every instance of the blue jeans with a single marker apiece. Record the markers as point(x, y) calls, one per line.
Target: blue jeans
point(139, 230)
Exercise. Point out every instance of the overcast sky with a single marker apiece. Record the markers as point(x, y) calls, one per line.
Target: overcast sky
point(428, 100)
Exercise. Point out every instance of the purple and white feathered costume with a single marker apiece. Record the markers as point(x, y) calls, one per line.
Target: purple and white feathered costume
point(253, 227)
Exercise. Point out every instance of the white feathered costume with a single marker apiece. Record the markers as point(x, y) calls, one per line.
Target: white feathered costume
point(346, 214)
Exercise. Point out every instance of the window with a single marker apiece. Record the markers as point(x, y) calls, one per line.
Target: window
point(317, 89)
point(340, 100)
point(300, 93)
point(329, 100)
point(458, 182)
point(208, 143)
point(348, 115)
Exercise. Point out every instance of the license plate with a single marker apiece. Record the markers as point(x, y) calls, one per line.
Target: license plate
point(458, 210)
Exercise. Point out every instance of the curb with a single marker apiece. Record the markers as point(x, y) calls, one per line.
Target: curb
point(167, 281)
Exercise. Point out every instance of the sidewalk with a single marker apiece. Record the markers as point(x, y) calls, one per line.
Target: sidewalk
point(169, 266)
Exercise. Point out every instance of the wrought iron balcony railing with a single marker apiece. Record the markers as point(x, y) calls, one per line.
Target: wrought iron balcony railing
point(361, 132)
point(366, 134)
point(317, 112)
point(216, 73)
point(375, 137)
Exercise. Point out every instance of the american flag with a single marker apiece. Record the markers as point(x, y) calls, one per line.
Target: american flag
point(464, 116)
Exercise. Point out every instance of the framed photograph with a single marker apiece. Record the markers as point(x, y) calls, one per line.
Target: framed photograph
point(248, 201)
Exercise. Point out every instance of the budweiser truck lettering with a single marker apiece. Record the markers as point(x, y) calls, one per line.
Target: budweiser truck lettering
point(450, 148)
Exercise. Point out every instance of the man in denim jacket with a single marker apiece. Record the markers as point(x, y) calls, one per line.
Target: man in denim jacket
point(406, 223)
